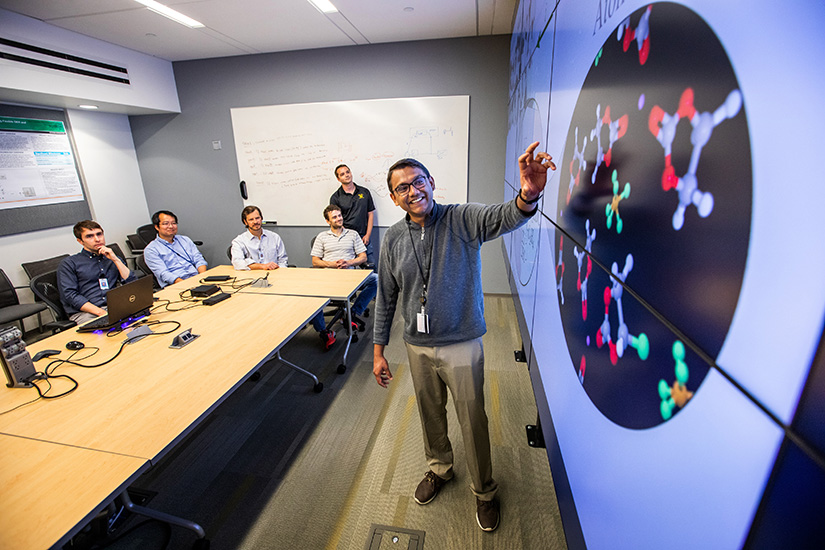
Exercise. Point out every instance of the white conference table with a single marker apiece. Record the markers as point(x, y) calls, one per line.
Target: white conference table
point(336, 284)
point(129, 413)
point(47, 488)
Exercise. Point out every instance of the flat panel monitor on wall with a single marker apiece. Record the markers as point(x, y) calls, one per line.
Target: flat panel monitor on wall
point(676, 302)
point(40, 178)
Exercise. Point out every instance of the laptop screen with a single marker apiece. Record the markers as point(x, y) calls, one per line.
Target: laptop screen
point(126, 300)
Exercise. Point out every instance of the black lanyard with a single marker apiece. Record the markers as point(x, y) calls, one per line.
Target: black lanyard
point(424, 277)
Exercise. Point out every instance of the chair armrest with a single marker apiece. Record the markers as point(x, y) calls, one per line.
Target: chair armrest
point(60, 326)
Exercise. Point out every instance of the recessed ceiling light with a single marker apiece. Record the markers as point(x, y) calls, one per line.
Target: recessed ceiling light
point(409, 9)
point(324, 6)
point(88, 107)
point(175, 16)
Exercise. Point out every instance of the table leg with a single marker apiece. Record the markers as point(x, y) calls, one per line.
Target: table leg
point(162, 516)
point(318, 385)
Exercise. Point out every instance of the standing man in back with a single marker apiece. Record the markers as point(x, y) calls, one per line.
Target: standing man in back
point(356, 207)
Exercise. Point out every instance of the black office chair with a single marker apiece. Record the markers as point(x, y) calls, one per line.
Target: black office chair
point(146, 272)
point(11, 310)
point(33, 269)
point(135, 244)
point(147, 233)
point(44, 287)
point(117, 250)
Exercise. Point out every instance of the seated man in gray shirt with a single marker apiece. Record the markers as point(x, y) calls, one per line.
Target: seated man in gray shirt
point(84, 279)
point(341, 248)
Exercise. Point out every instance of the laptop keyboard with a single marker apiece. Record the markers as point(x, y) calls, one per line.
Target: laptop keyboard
point(100, 322)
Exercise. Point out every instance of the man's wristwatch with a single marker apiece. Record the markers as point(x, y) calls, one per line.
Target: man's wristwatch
point(525, 201)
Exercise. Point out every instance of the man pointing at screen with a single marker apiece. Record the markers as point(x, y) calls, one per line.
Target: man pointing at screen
point(430, 266)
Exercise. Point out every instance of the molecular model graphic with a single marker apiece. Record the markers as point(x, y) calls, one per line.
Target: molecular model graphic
point(578, 157)
point(641, 34)
point(560, 269)
point(663, 126)
point(612, 208)
point(616, 130)
point(624, 338)
point(654, 193)
point(676, 395)
point(581, 284)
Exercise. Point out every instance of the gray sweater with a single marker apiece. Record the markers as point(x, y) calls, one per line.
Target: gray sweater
point(448, 246)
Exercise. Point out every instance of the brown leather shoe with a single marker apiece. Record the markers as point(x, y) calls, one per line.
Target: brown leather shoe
point(428, 489)
point(487, 514)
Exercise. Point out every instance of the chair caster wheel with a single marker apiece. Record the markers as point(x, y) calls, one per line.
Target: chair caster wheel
point(255, 376)
point(354, 338)
point(342, 368)
point(318, 388)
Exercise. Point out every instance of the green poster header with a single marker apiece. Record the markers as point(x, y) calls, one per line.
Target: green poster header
point(31, 125)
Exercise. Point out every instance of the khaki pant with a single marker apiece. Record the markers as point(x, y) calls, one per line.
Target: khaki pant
point(459, 367)
point(83, 317)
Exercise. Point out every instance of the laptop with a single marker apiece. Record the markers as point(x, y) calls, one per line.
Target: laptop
point(123, 303)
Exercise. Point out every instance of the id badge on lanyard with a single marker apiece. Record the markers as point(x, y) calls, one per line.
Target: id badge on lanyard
point(422, 318)
point(423, 322)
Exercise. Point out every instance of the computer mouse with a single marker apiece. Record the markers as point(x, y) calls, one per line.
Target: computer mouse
point(75, 345)
point(45, 353)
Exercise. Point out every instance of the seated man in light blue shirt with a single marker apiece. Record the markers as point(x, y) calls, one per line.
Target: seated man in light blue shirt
point(172, 257)
point(257, 248)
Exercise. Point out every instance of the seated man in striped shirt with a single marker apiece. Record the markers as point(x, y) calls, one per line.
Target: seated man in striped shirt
point(341, 248)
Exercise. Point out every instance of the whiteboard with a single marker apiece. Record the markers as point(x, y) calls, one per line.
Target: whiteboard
point(287, 153)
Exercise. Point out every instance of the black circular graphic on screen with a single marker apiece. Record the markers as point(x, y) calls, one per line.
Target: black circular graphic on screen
point(656, 184)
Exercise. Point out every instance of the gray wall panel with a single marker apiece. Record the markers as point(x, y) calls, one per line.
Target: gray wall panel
point(182, 172)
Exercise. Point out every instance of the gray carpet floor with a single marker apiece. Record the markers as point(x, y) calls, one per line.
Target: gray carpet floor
point(278, 466)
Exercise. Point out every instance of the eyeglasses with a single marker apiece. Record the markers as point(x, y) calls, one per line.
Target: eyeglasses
point(420, 183)
point(168, 224)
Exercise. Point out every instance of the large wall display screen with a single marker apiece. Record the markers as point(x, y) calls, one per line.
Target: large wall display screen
point(671, 288)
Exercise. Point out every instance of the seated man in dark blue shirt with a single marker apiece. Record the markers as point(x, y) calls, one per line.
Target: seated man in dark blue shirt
point(85, 278)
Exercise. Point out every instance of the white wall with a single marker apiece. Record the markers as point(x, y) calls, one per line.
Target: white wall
point(106, 154)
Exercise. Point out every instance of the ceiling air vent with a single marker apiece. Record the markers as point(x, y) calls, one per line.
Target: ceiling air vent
point(21, 52)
